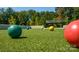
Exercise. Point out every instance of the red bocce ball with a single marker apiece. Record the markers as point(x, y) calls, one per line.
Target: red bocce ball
point(71, 33)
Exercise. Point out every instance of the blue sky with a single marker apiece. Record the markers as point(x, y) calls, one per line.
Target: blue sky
point(34, 8)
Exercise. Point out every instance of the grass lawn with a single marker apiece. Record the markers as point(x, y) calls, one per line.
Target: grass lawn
point(35, 40)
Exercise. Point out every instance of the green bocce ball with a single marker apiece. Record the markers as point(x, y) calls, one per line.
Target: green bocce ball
point(14, 31)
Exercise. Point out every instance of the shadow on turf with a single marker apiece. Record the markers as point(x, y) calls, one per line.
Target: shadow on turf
point(19, 38)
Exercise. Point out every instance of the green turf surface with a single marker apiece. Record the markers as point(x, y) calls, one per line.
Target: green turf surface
point(35, 40)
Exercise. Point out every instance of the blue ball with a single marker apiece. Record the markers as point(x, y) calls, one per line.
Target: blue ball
point(29, 27)
point(14, 31)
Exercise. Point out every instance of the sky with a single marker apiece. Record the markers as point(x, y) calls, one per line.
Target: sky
point(34, 8)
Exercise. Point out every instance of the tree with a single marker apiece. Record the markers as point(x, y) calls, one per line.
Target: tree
point(76, 13)
point(12, 20)
point(65, 13)
point(5, 13)
point(60, 12)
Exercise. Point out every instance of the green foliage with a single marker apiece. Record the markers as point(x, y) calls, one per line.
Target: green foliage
point(12, 20)
point(38, 18)
point(68, 13)
point(9, 16)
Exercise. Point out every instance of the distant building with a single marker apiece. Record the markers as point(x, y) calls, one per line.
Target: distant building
point(53, 22)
